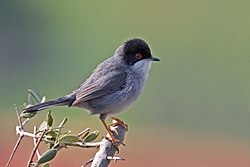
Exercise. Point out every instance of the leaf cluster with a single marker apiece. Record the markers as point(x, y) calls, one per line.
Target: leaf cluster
point(55, 137)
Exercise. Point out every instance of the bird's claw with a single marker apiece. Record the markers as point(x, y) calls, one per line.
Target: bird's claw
point(119, 122)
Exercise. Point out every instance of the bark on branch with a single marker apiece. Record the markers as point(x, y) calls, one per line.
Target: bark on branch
point(107, 150)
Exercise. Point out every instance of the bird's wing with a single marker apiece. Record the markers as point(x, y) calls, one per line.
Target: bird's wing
point(110, 82)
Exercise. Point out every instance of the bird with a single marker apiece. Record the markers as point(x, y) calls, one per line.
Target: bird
point(114, 85)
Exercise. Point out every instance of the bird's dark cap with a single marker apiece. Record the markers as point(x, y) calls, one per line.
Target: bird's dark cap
point(135, 50)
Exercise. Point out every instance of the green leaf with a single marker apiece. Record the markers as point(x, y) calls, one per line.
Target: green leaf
point(30, 100)
point(85, 135)
point(68, 139)
point(36, 96)
point(51, 135)
point(47, 156)
point(27, 115)
point(92, 136)
point(63, 122)
point(49, 119)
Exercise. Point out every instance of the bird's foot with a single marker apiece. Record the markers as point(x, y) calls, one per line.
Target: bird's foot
point(119, 122)
point(115, 122)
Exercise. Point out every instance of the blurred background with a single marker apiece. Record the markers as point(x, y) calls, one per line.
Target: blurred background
point(194, 111)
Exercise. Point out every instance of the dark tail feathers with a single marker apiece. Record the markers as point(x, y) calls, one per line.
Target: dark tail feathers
point(66, 100)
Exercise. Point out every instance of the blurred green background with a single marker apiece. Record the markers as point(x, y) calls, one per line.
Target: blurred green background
point(194, 111)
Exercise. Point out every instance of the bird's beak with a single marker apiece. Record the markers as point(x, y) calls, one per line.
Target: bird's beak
point(155, 59)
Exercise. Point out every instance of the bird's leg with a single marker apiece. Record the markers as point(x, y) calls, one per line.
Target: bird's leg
point(119, 122)
point(109, 132)
point(113, 140)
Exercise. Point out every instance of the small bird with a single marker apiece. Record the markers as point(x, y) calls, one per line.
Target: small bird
point(113, 85)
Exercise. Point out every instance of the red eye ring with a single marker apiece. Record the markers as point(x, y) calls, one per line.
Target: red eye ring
point(138, 56)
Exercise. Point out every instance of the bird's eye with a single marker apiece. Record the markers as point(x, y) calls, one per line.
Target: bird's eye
point(138, 56)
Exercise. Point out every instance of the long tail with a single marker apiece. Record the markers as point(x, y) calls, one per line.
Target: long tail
point(66, 100)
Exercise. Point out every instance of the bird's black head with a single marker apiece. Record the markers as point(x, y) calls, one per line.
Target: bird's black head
point(136, 50)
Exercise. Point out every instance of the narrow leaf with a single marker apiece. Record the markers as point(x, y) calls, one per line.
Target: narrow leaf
point(63, 122)
point(35, 95)
point(30, 100)
point(51, 135)
point(85, 135)
point(47, 156)
point(92, 136)
point(49, 119)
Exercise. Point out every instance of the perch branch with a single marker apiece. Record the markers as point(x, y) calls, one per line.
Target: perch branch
point(107, 149)
point(20, 128)
point(35, 148)
point(35, 142)
point(76, 144)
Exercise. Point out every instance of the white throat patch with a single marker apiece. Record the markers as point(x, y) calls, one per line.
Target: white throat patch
point(142, 68)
